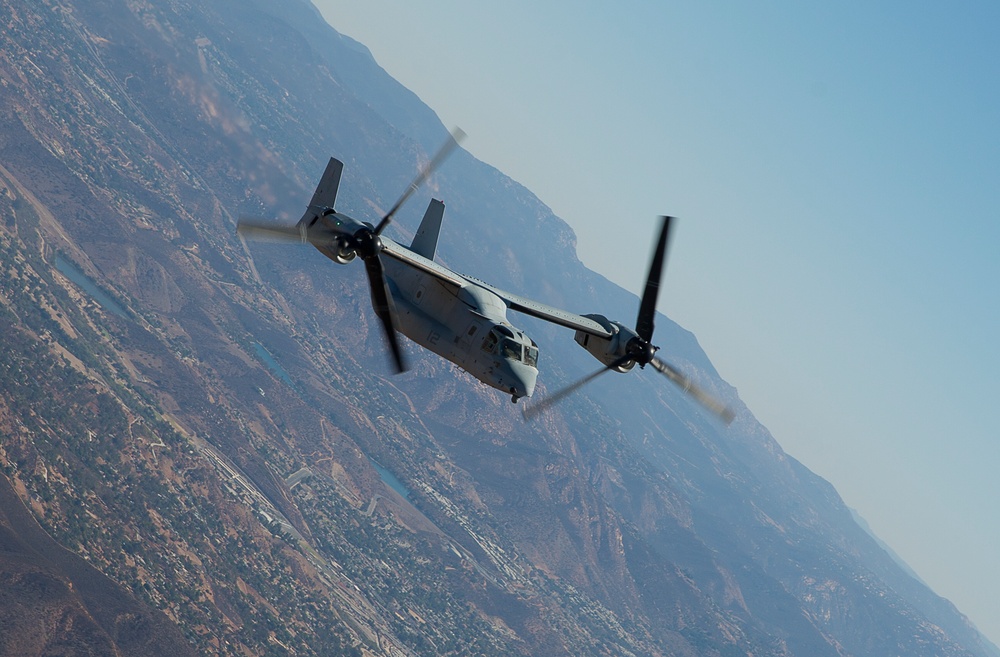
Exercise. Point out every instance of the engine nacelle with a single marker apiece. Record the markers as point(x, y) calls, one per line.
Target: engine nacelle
point(608, 350)
point(342, 253)
point(338, 251)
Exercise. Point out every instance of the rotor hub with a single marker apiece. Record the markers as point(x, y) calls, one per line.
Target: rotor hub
point(640, 351)
point(367, 243)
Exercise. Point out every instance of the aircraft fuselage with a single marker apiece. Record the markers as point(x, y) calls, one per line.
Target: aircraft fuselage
point(466, 325)
point(458, 320)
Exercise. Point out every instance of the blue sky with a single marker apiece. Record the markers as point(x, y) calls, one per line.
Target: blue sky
point(836, 172)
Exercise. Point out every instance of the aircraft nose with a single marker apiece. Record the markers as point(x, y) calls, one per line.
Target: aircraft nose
point(522, 378)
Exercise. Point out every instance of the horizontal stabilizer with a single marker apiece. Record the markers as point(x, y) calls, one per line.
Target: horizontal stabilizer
point(325, 195)
point(426, 239)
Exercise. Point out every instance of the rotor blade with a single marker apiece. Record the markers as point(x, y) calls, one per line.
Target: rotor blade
point(535, 410)
point(647, 308)
point(709, 402)
point(265, 231)
point(449, 145)
point(384, 308)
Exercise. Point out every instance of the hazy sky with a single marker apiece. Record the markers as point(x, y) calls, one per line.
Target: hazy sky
point(836, 172)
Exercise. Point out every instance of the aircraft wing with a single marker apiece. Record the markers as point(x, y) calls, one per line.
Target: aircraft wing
point(513, 301)
point(544, 311)
point(406, 256)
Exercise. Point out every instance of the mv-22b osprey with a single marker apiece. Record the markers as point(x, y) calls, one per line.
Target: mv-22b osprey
point(461, 318)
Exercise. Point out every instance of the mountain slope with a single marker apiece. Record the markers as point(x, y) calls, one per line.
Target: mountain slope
point(212, 412)
point(54, 602)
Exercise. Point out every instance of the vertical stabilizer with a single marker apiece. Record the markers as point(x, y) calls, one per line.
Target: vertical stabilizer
point(426, 239)
point(326, 192)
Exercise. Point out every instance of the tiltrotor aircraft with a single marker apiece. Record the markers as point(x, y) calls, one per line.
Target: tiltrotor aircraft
point(461, 318)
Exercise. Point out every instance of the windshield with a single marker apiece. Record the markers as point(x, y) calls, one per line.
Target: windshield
point(512, 350)
point(531, 356)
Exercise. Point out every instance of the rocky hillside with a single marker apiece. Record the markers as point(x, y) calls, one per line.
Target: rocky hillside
point(203, 450)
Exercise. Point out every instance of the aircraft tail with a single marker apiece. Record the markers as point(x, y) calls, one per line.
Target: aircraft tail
point(325, 195)
point(426, 239)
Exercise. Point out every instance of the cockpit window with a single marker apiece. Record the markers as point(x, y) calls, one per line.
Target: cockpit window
point(490, 343)
point(531, 356)
point(512, 350)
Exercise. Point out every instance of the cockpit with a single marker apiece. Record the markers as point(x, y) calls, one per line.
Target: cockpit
point(511, 346)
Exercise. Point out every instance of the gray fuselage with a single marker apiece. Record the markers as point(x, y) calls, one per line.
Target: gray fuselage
point(465, 324)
